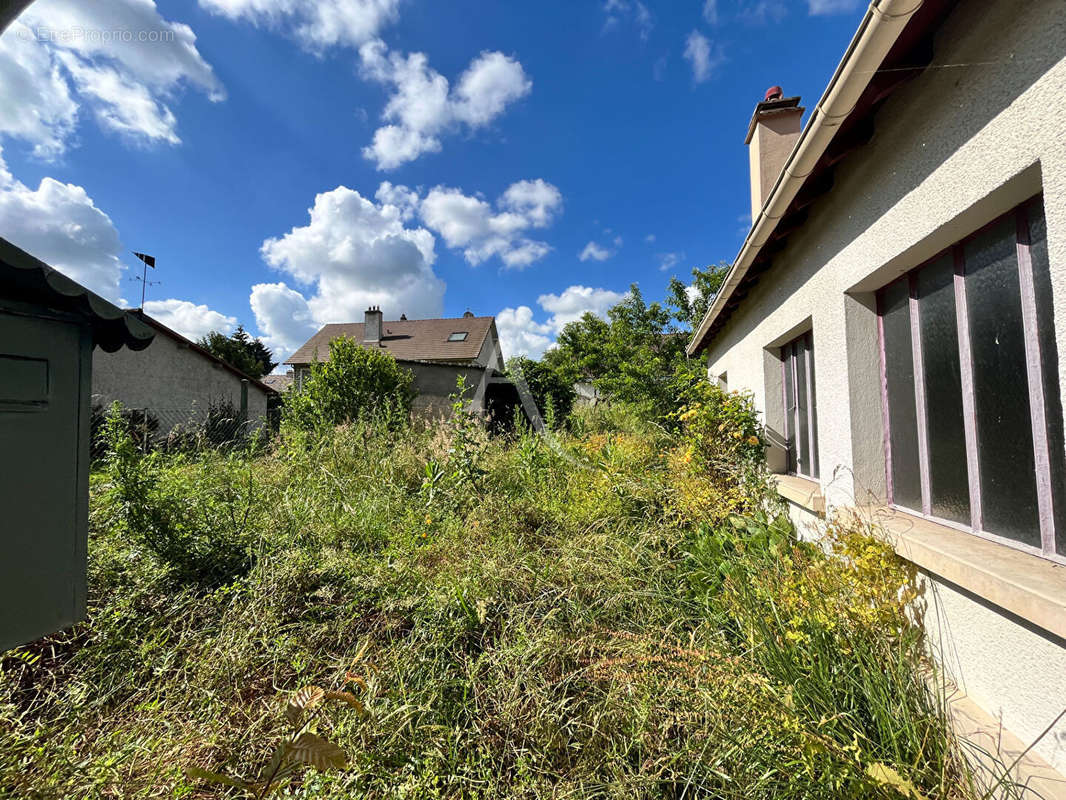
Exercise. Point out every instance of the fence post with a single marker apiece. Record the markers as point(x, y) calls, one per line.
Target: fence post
point(244, 401)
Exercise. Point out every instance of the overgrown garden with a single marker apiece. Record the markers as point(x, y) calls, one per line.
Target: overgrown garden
point(389, 609)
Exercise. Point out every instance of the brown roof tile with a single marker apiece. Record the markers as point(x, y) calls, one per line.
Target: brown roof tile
point(411, 339)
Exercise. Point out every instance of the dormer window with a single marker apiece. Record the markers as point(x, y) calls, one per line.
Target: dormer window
point(458, 336)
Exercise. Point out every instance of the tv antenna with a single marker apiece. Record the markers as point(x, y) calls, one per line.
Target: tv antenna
point(148, 261)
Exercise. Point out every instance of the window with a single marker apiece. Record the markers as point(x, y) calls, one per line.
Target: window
point(458, 336)
point(970, 387)
point(801, 428)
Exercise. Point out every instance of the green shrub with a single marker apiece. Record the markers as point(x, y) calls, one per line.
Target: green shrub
point(355, 383)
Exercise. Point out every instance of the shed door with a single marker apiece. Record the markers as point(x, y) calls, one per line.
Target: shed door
point(43, 500)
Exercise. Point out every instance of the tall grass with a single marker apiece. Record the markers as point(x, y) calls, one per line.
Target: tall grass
point(536, 620)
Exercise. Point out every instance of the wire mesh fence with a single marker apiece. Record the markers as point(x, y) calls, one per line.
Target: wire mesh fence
point(216, 424)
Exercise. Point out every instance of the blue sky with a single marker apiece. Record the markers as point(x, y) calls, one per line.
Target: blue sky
point(289, 162)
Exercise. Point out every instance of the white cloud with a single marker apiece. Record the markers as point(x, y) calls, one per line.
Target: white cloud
point(121, 58)
point(482, 232)
point(36, 104)
point(594, 252)
point(59, 224)
point(702, 56)
point(575, 301)
point(617, 10)
point(650, 238)
point(667, 261)
point(317, 24)
point(353, 253)
point(763, 11)
point(521, 334)
point(832, 6)
point(422, 107)
point(283, 317)
point(189, 319)
point(710, 12)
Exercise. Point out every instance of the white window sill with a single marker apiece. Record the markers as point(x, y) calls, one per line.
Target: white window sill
point(803, 492)
point(1028, 586)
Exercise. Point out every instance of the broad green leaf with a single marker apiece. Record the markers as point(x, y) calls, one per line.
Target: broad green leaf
point(305, 698)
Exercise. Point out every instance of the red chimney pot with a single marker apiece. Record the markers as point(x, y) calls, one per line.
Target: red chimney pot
point(774, 93)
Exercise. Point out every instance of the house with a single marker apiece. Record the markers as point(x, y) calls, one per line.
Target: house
point(437, 351)
point(49, 326)
point(176, 383)
point(896, 311)
point(279, 383)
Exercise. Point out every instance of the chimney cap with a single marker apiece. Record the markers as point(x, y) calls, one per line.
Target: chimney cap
point(403, 317)
point(773, 106)
point(774, 93)
point(468, 313)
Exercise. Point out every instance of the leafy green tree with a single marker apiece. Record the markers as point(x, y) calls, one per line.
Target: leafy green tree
point(550, 389)
point(690, 303)
point(355, 383)
point(240, 350)
point(631, 357)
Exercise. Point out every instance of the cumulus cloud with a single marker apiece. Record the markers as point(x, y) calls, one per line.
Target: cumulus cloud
point(352, 253)
point(667, 261)
point(710, 12)
point(618, 10)
point(594, 252)
point(189, 319)
point(482, 232)
point(59, 224)
point(423, 107)
point(317, 24)
point(121, 59)
point(702, 56)
point(521, 334)
point(283, 317)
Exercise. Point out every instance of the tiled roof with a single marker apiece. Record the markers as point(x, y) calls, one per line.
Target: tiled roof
point(279, 383)
point(407, 339)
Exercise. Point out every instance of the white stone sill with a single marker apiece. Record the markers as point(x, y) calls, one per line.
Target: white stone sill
point(803, 492)
point(1028, 586)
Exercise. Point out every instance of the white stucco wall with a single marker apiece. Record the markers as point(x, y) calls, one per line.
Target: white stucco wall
point(952, 150)
point(174, 382)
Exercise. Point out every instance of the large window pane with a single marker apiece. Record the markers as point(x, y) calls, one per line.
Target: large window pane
point(948, 475)
point(812, 400)
point(790, 406)
point(899, 384)
point(1045, 314)
point(803, 457)
point(1001, 391)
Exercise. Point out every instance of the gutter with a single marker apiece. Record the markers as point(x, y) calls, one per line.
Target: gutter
point(877, 33)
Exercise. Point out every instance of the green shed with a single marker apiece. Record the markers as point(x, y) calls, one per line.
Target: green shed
point(48, 327)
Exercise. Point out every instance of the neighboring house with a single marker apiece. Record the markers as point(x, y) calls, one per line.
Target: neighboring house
point(437, 351)
point(49, 326)
point(279, 383)
point(896, 311)
point(176, 382)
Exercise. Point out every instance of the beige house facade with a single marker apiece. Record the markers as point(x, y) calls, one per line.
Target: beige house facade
point(898, 312)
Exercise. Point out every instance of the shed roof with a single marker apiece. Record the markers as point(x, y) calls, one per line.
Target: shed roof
point(25, 279)
point(407, 339)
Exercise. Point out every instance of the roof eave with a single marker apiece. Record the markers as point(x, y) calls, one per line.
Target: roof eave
point(879, 30)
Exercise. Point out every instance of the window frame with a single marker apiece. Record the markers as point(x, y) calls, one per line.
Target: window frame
point(790, 378)
point(463, 336)
point(1034, 375)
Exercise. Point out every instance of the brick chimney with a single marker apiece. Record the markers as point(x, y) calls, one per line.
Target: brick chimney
point(775, 127)
point(372, 328)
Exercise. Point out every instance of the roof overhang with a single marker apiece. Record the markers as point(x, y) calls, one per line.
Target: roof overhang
point(893, 44)
point(26, 279)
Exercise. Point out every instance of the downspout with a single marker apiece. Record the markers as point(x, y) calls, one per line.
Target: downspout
point(877, 33)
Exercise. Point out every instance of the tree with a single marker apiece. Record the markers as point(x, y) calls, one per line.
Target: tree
point(690, 303)
point(356, 383)
point(241, 351)
point(631, 357)
point(548, 387)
